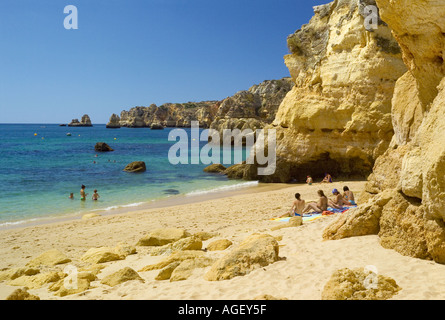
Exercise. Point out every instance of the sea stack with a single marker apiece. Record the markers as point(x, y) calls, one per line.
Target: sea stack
point(114, 122)
point(85, 122)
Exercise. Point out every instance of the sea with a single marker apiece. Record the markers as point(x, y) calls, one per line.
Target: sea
point(41, 164)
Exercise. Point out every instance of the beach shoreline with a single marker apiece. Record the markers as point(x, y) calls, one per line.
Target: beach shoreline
point(243, 187)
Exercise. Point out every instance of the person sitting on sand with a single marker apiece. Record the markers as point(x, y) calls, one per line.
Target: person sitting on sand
point(327, 178)
point(297, 207)
point(83, 195)
point(95, 195)
point(349, 196)
point(309, 180)
point(319, 207)
point(338, 201)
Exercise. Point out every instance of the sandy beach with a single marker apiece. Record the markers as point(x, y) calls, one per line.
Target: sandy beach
point(306, 265)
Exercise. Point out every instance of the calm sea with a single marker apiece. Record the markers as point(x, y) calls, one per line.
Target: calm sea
point(40, 165)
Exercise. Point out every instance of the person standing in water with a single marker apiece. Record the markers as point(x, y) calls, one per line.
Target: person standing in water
point(83, 195)
point(95, 195)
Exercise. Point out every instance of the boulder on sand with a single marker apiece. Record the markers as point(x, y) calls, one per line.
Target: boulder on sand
point(160, 237)
point(121, 276)
point(49, 258)
point(258, 250)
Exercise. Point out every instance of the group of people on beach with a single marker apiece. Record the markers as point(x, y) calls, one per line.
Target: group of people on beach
point(327, 179)
point(299, 206)
point(83, 195)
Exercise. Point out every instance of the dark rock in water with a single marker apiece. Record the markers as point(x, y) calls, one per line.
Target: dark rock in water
point(242, 171)
point(102, 147)
point(215, 168)
point(156, 126)
point(62, 125)
point(171, 191)
point(136, 166)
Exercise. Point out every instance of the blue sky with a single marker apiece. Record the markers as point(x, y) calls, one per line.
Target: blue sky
point(137, 52)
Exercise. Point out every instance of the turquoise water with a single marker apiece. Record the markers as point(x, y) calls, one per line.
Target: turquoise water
point(40, 166)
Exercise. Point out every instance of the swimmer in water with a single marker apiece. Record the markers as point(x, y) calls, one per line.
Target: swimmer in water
point(83, 195)
point(71, 195)
point(95, 195)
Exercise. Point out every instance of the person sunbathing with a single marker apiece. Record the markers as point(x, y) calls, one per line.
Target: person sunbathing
point(319, 207)
point(297, 207)
point(338, 202)
point(349, 196)
point(327, 178)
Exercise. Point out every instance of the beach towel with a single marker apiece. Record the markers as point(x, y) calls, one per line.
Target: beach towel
point(312, 216)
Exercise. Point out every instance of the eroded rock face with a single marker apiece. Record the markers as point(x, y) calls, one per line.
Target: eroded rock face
point(337, 117)
point(413, 167)
point(170, 115)
point(248, 109)
point(252, 109)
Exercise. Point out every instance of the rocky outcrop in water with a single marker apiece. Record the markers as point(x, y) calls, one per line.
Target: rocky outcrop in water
point(136, 166)
point(337, 117)
point(84, 122)
point(410, 175)
point(102, 147)
point(170, 115)
point(114, 122)
point(250, 109)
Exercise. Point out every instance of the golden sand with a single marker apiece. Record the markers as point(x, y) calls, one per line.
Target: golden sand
point(308, 264)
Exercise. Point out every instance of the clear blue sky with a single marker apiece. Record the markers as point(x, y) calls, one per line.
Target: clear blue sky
point(129, 53)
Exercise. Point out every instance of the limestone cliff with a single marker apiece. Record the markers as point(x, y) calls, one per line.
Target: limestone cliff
point(252, 109)
point(170, 115)
point(410, 175)
point(337, 117)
